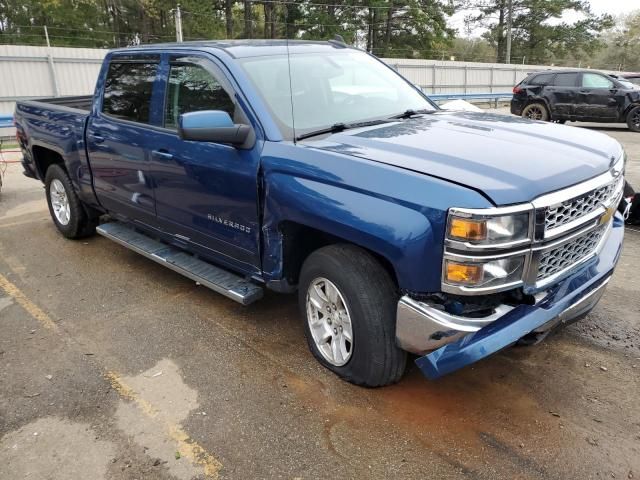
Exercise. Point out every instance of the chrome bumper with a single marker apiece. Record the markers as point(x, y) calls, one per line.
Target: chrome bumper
point(421, 328)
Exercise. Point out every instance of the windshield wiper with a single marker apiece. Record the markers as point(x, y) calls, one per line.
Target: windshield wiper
point(410, 113)
point(339, 127)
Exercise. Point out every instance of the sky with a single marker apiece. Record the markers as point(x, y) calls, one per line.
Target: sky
point(613, 7)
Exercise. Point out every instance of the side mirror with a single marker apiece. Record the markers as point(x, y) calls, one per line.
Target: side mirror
point(212, 126)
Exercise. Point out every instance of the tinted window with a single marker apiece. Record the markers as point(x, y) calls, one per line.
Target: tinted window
point(566, 80)
point(593, 80)
point(192, 88)
point(544, 79)
point(127, 90)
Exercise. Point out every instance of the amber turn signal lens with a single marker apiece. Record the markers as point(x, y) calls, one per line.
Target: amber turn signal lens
point(463, 273)
point(465, 229)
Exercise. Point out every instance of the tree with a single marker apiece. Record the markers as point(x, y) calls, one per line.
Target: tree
point(621, 51)
point(412, 28)
point(539, 35)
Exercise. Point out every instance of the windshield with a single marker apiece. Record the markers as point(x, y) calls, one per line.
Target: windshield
point(345, 86)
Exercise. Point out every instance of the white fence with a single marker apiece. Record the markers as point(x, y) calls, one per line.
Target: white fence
point(32, 72)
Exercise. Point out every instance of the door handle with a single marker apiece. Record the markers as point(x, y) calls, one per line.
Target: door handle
point(162, 154)
point(97, 138)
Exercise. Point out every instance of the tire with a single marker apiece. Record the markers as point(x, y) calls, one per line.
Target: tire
point(536, 111)
point(369, 297)
point(633, 119)
point(61, 196)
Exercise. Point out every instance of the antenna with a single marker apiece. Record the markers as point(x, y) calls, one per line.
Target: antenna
point(293, 120)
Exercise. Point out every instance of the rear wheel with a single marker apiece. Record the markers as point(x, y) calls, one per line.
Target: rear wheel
point(348, 302)
point(536, 111)
point(633, 119)
point(65, 207)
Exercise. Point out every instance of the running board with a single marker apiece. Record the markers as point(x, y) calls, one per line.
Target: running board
point(219, 280)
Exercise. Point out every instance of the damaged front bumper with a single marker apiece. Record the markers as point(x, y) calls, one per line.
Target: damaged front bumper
point(457, 341)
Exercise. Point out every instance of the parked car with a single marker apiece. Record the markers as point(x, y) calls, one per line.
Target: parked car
point(577, 95)
point(315, 167)
point(632, 77)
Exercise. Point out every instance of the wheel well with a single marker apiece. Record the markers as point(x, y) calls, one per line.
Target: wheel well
point(629, 108)
point(44, 158)
point(300, 241)
point(541, 101)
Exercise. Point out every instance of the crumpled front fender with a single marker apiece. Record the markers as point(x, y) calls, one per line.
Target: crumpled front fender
point(571, 298)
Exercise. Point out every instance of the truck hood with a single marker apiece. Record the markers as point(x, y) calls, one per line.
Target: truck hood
point(509, 159)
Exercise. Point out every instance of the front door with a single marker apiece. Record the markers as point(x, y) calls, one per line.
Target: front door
point(117, 138)
point(206, 193)
point(596, 98)
point(561, 95)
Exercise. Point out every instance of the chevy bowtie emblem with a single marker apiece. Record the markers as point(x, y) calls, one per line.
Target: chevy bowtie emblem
point(608, 213)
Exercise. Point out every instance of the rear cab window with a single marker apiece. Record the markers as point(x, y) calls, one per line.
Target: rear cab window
point(128, 88)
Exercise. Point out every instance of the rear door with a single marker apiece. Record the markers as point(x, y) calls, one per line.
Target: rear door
point(561, 95)
point(118, 140)
point(206, 193)
point(597, 98)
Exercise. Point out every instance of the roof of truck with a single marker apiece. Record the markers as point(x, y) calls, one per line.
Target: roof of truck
point(245, 48)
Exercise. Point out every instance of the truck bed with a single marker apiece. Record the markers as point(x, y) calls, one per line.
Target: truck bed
point(80, 102)
point(55, 128)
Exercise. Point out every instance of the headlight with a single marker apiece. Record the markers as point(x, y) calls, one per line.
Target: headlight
point(488, 230)
point(484, 274)
point(486, 249)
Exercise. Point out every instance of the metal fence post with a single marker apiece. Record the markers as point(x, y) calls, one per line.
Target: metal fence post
point(52, 67)
point(491, 79)
point(466, 69)
point(54, 78)
point(433, 78)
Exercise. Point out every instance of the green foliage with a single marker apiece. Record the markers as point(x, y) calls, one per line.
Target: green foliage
point(621, 51)
point(387, 27)
point(539, 36)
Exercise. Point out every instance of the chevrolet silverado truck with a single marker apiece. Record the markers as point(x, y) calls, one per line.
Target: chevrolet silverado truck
point(313, 167)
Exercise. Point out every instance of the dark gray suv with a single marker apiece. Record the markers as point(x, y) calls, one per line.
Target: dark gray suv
point(577, 95)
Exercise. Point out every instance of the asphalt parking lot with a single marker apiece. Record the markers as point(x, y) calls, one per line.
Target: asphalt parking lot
point(112, 367)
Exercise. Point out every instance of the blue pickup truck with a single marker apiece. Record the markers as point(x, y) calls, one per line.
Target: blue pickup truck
point(313, 167)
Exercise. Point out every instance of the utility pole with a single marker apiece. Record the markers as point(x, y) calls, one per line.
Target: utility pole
point(46, 35)
point(509, 26)
point(178, 24)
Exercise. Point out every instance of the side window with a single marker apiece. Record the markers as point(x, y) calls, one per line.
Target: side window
point(593, 80)
point(192, 88)
point(566, 80)
point(127, 90)
point(543, 79)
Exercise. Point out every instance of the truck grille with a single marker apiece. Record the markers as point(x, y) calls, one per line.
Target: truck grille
point(576, 208)
point(559, 259)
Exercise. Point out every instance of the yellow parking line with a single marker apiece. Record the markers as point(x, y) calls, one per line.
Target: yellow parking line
point(35, 311)
point(188, 448)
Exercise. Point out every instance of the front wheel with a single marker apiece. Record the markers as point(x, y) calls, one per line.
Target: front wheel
point(536, 111)
point(633, 119)
point(348, 302)
point(65, 207)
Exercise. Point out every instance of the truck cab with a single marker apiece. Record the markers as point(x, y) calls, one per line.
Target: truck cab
point(314, 168)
